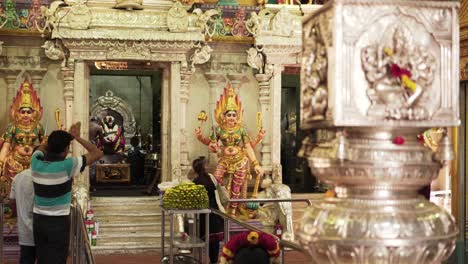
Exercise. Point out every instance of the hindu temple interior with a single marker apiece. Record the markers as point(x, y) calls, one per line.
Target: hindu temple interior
point(320, 131)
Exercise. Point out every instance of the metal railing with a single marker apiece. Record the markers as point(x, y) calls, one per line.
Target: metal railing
point(283, 243)
point(2, 206)
point(80, 248)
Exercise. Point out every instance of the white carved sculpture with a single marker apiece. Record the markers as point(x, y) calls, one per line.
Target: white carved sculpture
point(271, 212)
point(129, 4)
point(198, 21)
point(258, 23)
point(52, 52)
point(177, 18)
point(255, 59)
point(48, 15)
point(201, 55)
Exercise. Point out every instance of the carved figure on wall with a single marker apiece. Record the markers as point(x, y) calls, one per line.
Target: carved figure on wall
point(314, 74)
point(271, 212)
point(398, 72)
point(177, 18)
point(35, 19)
point(255, 59)
point(234, 147)
point(48, 16)
point(52, 51)
point(22, 134)
point(201, 55)
point(129, 4)
point(111, 140)
point(10, 18)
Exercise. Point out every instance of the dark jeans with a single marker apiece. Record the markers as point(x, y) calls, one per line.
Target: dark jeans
point(27, 254)
point(51, 236)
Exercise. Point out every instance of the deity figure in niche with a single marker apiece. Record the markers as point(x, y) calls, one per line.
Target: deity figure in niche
point(10, 18)
point(234, 147)
point(111, 140)
point(398, 72)
point(22, 135)
point(35, 19)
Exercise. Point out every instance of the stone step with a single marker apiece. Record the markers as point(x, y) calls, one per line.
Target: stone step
point(142, 238)
point(126, 228)
point(128, 218)
point(127, 208)
point(127, 248)
point(111, 201)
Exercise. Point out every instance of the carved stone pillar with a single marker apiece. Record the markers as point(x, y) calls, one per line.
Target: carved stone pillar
point(175, 131)
point(81, 113)
point(36, 80)
point(214, 79)
point(185, 75)
point(275, 117)
point(264, 99)
point(68, 91)
point(236, 80)
point(11, 86)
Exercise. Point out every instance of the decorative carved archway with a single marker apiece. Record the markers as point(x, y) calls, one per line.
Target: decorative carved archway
point(100, 33)
point(110, 101)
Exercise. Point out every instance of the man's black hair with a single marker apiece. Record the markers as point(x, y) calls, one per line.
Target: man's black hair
point(58, 141)
point(251, 255)
point(135, 141)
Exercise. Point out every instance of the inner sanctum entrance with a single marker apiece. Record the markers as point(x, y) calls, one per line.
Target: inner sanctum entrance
point(125, 123)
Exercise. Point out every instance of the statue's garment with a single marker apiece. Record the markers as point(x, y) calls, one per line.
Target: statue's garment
point(20, 138)
point(235, 165)
point(111, 145)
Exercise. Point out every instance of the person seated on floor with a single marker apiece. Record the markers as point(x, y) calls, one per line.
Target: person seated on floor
point(136, 159)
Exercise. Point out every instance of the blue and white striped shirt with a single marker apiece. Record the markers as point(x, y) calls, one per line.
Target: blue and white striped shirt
point(53, 183)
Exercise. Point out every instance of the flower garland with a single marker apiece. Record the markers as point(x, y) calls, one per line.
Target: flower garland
point(249, 239)
point(403, 74)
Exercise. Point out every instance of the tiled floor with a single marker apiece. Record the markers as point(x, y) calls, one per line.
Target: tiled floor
point(290, 258)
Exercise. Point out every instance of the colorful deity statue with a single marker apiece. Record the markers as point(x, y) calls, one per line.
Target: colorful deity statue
point(22, 135)
point(35, 19)
point(111, 140)
point(234, 147)
point(10, 18)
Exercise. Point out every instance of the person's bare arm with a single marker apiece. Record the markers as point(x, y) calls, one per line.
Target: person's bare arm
point(94, 153)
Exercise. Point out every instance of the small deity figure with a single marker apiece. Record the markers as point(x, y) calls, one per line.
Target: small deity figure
point(112, 139)
point(22, 134)
point(35, 16)
point(398, 72)
point(233, 146)
point(10, 18)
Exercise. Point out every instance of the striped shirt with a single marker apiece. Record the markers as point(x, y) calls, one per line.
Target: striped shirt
point(53, 183)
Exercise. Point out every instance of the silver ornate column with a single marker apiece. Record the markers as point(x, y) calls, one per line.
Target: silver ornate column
point(375, 75)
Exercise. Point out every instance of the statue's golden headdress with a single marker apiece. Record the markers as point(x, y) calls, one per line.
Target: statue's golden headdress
point(26, 97)
point(228, 101)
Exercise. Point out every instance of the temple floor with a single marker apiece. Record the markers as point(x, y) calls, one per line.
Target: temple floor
point(291, 257)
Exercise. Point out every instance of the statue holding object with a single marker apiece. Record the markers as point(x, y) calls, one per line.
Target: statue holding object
point(234, 147)
point(22, 134)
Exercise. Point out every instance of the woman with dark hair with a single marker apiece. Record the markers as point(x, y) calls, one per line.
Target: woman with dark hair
point(216, 223)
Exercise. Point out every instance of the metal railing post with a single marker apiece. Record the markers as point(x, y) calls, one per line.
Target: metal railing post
point(1, 233)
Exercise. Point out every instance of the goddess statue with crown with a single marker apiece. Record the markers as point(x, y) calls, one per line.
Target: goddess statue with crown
point(22, 134)
point(234, 147)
